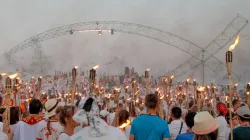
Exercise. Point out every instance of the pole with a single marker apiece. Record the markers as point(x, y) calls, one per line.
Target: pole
point(203, 68)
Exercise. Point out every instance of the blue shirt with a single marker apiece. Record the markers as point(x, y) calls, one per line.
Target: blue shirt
point(185, 136)
point(149, 127)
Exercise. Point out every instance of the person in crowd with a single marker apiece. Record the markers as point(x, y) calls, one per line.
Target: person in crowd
point(205, 126)
point(25, 114)
point(243, 131)
point(235, 123)
point(50, 128)
point(132, 112)
point(14, 118)
point(5, 132)
point(189, 135)
point(96, 128)
point(236, 104)
point(2, 110)
point(65, 119)
point(149, 126)
point(27, 128)
point(124, 122)
point(176, 126)
point(222, 111)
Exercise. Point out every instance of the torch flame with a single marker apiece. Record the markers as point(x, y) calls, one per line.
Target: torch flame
point(236, 84)
point(162, 97)
point(127, 87)
point(194, 79)
point(157, 89)
point(148, 70)
point(188, 79)
point(201, 88)
point(13, 75)
point(76, 67)
point(3, 74)
point(95, 67)
point(235, 43)
point(172, 76)
point(124, 124)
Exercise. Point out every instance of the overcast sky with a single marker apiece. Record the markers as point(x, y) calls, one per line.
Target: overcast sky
point(198, 21)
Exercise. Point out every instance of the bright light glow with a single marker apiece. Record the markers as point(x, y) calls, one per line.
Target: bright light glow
point(95, 67)
point(76, 67)
point(188, 79)
point(124, 124)
point(236, 84)
point(13, 75)
point(127, 87)
point(235, 43)
point(162, 97)
point(172, 76)
point(4, 73)
point(201, 88)
point(148, 70)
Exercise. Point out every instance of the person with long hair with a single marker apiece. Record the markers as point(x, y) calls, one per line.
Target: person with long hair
point(205, 126)
point(65, 119)
point(14, 117)
point(124, 122)
point(50, 128)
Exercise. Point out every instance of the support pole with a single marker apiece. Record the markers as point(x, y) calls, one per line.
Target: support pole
point(203, 68)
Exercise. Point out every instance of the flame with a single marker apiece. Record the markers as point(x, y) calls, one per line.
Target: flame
point(208, 87)
point(148, 70)
point(247, 93)
point(137, 100)
point(4, 73)
point(13, 75)
point(162, 97)
point(236, 84)
point(157, 89)
point(188, 79)
point(127, 87)
point(201, 88)
point(76, 67)
point(125, 124)
point(95, 67)
point(129, 99)
point(172, 76)
point(194, 80)
point(171, 90)
point(235, 43)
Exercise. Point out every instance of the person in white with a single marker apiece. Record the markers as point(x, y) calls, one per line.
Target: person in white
point(97, 129)
point(27, 128)
point(68, 123)
point(50, 128)
point(177, 126)
point(222, 111)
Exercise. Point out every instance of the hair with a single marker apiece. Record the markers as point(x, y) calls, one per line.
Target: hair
point(211, 136)
point(65, 112)
point(176, 112)
point(244, 119)
point(189, 119)
point(1, 112)
point(35, 106)
point(132, 112)
point(14, 115)
point(88, 104)
point(123, 116)
point(151, 101)
point(235, 101)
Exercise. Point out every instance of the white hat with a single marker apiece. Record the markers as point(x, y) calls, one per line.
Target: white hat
point(204, 123)
point(244, 112)
point(50, 107)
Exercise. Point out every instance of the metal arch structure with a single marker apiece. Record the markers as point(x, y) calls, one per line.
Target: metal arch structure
point(131, 28)
point(206, 57)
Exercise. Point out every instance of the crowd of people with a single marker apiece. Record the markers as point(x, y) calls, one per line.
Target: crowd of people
point(86, 120)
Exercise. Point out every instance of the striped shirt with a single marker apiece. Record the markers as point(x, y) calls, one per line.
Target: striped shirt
point(175, 127)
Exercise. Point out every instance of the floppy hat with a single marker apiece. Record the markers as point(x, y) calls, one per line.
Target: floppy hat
point(50, 107)
point(204, 123)
point(244, 112)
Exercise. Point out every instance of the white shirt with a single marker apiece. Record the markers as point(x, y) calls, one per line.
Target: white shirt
point(43, 133)
point(64, 136)
point(127, 131)
point(113, 134)
point(175, 127)
point(110, 118)
point(3, 136)
point(222, 128)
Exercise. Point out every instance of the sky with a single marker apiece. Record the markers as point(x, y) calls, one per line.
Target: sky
point(198, 21)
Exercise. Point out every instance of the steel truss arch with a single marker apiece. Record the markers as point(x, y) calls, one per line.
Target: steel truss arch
point(131, 28)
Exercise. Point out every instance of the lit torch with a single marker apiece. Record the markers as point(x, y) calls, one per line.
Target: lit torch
point(92, 75)
point(147, 80)
point(73, 84)
point(229, 60)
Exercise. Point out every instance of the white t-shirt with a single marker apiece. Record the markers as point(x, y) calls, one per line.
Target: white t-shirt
point(43, 133)
point(64, 136)
point(175, 127)
point(222, 128)
point(127, 131)
point(3, 136)
point(113, 134)
point(110, 118)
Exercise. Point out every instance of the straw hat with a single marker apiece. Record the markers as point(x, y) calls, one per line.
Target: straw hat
point(204, 123)
point(50, 107)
